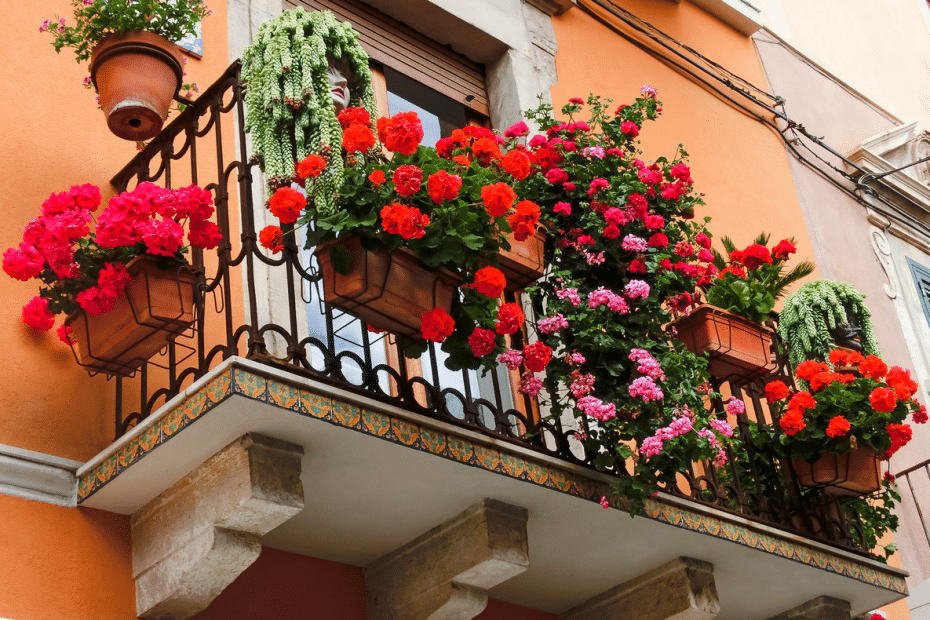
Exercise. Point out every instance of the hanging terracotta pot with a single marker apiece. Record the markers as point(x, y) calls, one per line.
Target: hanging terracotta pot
point(136, 74)
point(857, 472)
point(389, 291)
point(738, 349)
point(158, 305)
point(524, 262)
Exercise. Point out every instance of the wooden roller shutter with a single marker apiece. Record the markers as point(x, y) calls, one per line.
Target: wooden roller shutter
point(407, 51)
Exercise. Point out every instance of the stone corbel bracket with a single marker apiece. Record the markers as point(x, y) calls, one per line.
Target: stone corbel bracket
point(820, 608)
point(446, 573)
point(683, 589)
point(195, 538)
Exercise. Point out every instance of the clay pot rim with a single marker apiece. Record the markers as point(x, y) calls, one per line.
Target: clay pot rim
point(138, 42)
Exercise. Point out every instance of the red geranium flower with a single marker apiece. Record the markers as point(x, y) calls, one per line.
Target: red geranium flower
point(899, 380)
point(783, 249)
point(357, 139)
point(401, 133)
point(839, 357)
point(823, 379)
point(354, 116)
point(792, 422)
point(509, 319)
point(490, 281)
point(837, 427)
point(36, 314)
point(482, 341)
point(776, 390)
point(807, 370)
point(523, 222)
point(536, 356)
point(412, 224)
point(377, 177)
point(485, 150)
point(498, 198)
point(883, 400)
point(921, 416)
point(443, 186)
point(272, 237)
point(407, 180)
point(873, 367)
point(517, 164)
point(900, 436)
point(311, 166)
point(629, 128)
point(755, 256)
point(802, 401)
point(437, 325)
point(286, 204)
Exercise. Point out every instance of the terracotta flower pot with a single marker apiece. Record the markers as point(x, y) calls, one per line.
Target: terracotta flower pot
point(737, 347)
point(524, 263)
point(389, 291)
point(137, 74)
point(857, 472)
point(158, 305)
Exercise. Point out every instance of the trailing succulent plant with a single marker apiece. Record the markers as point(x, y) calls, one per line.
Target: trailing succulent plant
point(290, 110)
point(809, 315)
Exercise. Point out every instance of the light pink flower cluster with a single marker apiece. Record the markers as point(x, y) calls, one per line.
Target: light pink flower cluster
point(637, 289)
point(552, 324)
point(632, 243)
point(720, 456)
point(531, 384)
point(603, 297)
point(722, 427)
point(571, 294)
point(646, 364)
point(735, 406)
point(593, 259)
point(594, 151)
point(582, 385)
point(576, 358)
point(595, 408)
point(645, 388)
point(512, 358)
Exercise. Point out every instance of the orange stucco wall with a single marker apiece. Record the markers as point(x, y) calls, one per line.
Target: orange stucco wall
point(64, 563)
point(54, 137)
point(739, 163)
point(289, 586)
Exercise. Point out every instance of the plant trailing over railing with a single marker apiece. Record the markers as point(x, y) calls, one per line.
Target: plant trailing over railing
point(751, 280)
point(860, 406)
point(79, 268)
point(290, 111)
point(819, 308)
point(626, 249)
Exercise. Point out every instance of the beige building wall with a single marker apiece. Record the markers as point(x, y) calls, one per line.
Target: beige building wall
point(880, 48)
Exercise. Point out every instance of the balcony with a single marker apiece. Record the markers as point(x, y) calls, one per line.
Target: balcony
point(391, 449)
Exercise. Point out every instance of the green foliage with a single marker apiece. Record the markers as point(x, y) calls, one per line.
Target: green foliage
point(748, 285)
point(289, 104)
point(94, 21)
point(809, 314)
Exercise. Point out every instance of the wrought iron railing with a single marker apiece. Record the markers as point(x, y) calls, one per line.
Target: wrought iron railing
point(268, 308)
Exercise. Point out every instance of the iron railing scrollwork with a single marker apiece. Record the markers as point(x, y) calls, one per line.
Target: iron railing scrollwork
point(267, 308)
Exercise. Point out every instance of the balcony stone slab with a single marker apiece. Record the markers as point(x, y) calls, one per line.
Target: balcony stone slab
point(380, 476)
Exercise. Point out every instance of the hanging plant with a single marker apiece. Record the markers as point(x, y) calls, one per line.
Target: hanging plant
point(818, 308)
point(289, 100)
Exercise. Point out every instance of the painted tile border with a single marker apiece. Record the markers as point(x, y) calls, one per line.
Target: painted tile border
point(250, 384)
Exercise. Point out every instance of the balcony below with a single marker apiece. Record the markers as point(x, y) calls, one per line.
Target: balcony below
point(376, 476)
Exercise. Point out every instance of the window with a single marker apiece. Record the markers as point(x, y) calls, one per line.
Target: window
point(922, 280)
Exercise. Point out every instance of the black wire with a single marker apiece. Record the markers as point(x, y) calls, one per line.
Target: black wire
point(633, 22)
